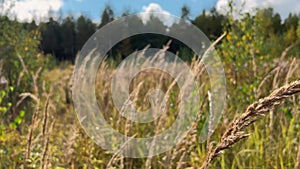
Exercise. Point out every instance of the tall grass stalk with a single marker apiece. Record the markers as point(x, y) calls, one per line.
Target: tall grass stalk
point(235, 131)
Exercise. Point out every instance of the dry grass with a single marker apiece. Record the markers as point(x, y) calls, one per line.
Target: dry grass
point(64, 144)
point(235, 131)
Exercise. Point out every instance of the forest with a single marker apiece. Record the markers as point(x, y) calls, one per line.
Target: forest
point(261, 124)
point(63, 38)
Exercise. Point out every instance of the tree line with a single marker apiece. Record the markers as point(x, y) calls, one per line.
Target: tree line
point(65, 37)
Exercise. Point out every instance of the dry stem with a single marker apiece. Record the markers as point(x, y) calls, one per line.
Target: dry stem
point(259, 108)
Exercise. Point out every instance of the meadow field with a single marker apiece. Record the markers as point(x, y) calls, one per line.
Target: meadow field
point(260, 127)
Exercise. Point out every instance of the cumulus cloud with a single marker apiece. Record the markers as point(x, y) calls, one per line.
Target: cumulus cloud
point(156, 10)
point(283, 7)
point(27, 10)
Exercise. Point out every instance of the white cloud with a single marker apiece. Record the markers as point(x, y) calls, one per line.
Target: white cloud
point(26, 10)
point(283, 7)
point(156, 10)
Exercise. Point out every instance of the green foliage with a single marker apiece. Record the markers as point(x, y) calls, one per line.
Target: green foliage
point(107, 16)
point(210, 24)
point(3, 110)
point(185, 12)
point(85, 29)
point(20, 59)
point(250, 53)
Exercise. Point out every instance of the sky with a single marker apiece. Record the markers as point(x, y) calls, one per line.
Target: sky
point(26, 10)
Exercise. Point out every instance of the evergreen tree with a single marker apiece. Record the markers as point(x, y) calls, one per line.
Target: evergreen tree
point(107, 16)
point(68, 39)
point(185, 12)
point(51, 37)
point(85, 29)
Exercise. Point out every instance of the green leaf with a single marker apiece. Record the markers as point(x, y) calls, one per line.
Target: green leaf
point(12, 125)
point(22, 113)
point(18, 120)
point(3, 109)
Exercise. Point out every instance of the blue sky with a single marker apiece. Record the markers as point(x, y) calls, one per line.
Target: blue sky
point(26, 10)
point(93, 8)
